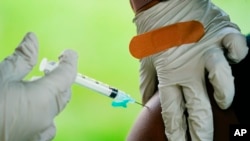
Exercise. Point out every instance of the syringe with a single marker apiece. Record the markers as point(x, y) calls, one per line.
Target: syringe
point(120, 97)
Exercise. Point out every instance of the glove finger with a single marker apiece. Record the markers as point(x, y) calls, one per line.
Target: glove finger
point(65, 74)
point(148, 81)
point(16, 66)
point(221, 78)
point(236, 46)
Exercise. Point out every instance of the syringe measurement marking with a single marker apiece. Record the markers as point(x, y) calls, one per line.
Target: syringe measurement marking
point(96, 86)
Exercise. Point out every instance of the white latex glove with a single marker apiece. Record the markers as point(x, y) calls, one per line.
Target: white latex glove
point(27, 108)
point(220, 32)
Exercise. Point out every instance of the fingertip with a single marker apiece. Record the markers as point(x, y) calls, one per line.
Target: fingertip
point(28, 48)
point(69, 52)
point(68, 55)
point(31, 36)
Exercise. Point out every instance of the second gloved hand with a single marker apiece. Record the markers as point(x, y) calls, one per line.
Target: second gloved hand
point(28, 108)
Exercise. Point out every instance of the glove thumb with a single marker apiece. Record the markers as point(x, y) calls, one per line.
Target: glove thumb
point(19, 64)
point(58, 82)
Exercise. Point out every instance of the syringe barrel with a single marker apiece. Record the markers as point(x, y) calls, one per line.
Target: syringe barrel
point(87, 82)
point(102, 88)
point(96, 86)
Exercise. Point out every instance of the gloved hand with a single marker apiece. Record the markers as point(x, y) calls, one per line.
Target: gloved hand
point(27, 108)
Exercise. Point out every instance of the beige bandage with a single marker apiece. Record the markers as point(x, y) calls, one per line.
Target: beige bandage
point(166, 37)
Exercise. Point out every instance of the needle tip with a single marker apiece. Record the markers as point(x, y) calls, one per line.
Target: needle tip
point(141, 104)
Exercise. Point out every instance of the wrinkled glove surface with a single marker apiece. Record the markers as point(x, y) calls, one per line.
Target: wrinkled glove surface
point(27, 108)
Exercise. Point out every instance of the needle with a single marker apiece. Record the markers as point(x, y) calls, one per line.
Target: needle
point(141, 104)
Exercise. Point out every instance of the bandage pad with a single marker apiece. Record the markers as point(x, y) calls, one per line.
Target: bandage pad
point(166, 37)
